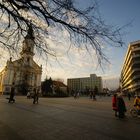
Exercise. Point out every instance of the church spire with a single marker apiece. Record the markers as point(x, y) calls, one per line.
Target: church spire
point(30, 33)
point(28, 43)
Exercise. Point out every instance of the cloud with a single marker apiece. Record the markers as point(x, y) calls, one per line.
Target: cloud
point(111, 82)
point(4, 18)
point(72, 61)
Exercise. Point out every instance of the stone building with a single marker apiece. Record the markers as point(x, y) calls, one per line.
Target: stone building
point(24, 72)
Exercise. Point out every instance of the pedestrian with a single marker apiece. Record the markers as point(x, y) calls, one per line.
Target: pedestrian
point(94, 96)
point(137, 104)
point(95, 92)
point(35, 96)
point(114, 104)
point(121, 106)
point(78, 94)
point(75, 95)
point(28, 95)
point(90, 94)
point(12, 94)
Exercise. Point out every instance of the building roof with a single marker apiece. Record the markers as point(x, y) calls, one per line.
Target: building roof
point(59, 84)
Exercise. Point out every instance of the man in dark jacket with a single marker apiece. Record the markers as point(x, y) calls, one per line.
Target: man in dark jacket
point(12, 94)
point(121, 106)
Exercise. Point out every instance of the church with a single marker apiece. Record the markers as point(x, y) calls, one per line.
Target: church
point(24, 73)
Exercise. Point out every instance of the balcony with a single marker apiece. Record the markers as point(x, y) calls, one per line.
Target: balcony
point(135, 77)
point(135, 69)
point(136, 49)
point(137, 84)
point(135, 55)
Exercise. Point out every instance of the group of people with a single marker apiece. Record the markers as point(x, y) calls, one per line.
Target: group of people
point(118, 103)
point(35, 95)
point(119, 106)
point(92, 95)
point(76, 95)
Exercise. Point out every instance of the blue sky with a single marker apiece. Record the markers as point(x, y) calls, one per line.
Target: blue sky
point(121, 12)
point(80, 64)
point(118, 13)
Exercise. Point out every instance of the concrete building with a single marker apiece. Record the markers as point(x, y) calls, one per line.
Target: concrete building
point(85, 83)
point(24, 72)
point(130, 74)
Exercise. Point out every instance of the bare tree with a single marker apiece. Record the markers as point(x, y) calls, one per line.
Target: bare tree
point(84, 27)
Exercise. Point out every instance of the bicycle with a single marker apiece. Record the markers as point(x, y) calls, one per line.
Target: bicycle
point(134, 112)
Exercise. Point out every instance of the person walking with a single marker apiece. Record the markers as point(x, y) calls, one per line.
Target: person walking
point(114, 104)
point(78, 94)
point(121, 106)
point(95, 92)
point(35, 96)
point(12, 94)
point(75, 95)
point(137, 104)
point(94, 96)
point(28, 95)
point(90, 94)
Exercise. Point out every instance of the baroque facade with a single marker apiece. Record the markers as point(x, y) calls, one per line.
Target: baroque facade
point(85, 83)
point(130, 74)
point(24, 72)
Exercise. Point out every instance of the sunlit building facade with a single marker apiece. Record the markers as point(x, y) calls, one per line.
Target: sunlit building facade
point(24, 72)
point(85, 83)
point(130, 74)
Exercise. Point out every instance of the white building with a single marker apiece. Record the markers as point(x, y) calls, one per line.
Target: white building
point(130, 74)
point(85, 83)
point(24, 72)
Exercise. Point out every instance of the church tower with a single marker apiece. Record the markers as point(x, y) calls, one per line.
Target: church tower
point(27, 52)
point(24, 72)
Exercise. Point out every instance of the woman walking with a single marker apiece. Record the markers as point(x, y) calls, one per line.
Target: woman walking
point(121, 106)
point(114, 104)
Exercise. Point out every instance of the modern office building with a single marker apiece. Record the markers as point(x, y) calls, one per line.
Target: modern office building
point(85, 83)
point(130, 74)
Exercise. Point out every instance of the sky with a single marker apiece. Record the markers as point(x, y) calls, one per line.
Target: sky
point(79, 64)
point(121, 12)
point(114, 12)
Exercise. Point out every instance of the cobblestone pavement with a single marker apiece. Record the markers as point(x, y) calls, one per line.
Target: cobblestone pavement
point(65, 119)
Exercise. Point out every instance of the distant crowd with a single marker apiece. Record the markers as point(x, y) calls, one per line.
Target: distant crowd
point(118, 104)
point(35, 95)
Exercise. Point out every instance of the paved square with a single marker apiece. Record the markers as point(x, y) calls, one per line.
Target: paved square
point(65, 119)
